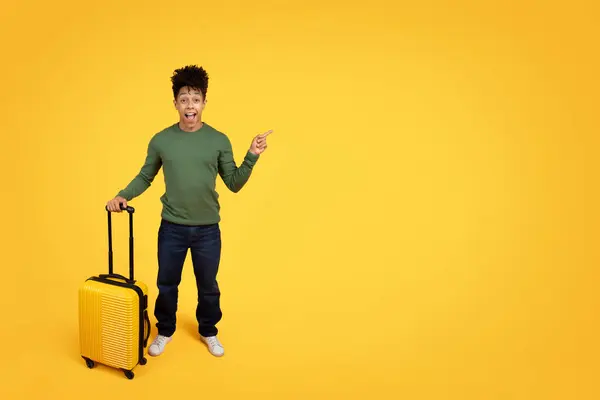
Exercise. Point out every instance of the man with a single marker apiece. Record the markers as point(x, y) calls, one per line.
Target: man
point(191, 153)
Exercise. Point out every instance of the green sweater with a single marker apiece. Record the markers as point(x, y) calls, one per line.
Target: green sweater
point(191, 162)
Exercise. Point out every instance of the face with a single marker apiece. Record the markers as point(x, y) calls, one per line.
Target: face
point(190, 104)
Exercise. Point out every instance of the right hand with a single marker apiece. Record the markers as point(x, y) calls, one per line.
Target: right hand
point(114, 204)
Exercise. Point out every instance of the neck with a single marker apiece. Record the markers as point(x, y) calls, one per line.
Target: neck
point(186, 127)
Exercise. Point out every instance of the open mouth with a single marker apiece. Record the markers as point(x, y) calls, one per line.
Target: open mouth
point(190, 116)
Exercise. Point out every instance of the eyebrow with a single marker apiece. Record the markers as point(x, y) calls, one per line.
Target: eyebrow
point(193, 93)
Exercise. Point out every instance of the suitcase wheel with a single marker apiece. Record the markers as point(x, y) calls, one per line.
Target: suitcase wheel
point(129, 374)
point(90, 364)
point(143, 361)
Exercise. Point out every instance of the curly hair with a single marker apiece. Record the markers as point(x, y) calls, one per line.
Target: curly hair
point(192, 76)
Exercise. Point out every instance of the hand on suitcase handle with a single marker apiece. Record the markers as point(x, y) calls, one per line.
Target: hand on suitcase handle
point(129, 209)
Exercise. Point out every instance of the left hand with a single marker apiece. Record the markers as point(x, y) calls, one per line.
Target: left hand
point(259, 143)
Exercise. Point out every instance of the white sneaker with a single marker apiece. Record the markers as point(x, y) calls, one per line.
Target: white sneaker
point(214, 346)
point(158, 345)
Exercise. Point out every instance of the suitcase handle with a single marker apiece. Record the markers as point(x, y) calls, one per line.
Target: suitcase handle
point(147, 322)
point(116, 276)
point(129, 210)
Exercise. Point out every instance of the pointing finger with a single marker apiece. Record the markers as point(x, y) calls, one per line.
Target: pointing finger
point(267, 133)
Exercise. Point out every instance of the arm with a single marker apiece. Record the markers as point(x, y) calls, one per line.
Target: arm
point(233, 176)
point(144, 178)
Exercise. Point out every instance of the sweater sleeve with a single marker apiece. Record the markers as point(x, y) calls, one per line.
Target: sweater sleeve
point(233, 176)
point(144, 178)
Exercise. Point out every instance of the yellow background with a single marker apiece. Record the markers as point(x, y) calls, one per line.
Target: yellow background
point(422, 226)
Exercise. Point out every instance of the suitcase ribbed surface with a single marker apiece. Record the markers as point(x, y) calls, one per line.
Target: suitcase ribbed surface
point(109, 324)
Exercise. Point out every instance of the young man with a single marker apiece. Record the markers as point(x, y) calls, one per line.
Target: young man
point(191, 153)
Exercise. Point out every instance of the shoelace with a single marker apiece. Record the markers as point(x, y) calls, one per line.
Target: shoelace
point(160, 341)
point(212, 341)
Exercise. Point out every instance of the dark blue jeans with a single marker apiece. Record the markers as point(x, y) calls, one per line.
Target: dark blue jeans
point(204, 242)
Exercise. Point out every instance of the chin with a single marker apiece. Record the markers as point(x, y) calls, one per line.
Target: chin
point(189, 122)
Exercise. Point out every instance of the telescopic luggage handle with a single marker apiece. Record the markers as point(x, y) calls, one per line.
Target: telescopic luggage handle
point(130, 210)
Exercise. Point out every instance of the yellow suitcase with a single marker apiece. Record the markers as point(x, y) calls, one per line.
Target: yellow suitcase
point(113, 315)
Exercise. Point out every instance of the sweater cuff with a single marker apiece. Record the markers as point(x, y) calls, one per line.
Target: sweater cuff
point(251, 157)
point(124, 195)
